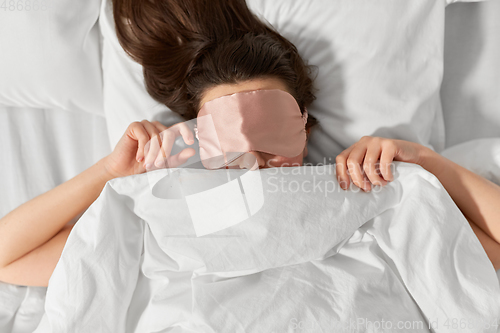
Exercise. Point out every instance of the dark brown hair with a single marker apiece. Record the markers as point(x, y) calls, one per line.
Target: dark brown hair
point(188, 46)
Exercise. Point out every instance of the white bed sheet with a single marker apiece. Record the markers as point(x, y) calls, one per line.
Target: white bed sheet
point(21, 308)
point(404, 254)
point(43, 148)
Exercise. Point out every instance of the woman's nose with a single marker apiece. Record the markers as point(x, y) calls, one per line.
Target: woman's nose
point(252, 160)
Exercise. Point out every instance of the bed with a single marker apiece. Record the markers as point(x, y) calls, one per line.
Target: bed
point(52, 130)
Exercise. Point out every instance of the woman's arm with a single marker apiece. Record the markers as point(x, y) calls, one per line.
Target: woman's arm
point(36, 267)
point(33, 235)
point(38, 220)
point(477, 197)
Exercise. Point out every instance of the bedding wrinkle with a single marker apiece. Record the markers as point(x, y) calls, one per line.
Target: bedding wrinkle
point(348, 259)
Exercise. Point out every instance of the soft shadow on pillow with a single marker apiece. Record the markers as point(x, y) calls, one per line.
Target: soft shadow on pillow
point(50, 56)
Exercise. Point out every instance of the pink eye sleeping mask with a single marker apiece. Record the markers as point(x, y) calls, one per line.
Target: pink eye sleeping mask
point(268, 121)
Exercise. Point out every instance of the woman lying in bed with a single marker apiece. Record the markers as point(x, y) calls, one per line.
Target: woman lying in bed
point(197, 54)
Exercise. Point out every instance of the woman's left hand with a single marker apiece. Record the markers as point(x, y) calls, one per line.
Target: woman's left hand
point(369, 160)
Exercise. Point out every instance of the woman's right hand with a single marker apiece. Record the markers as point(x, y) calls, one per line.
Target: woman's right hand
point(146, 146)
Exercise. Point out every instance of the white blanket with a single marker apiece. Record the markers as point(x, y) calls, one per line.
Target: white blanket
point(318, 259)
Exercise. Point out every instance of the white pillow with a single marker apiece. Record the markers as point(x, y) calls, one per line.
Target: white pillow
point(50, 56)
point(380, 69)
point(470, 92)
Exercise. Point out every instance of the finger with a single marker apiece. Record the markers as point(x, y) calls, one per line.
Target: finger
point(139, 168)
point(367, 185)
point(139, 133)
point(162, 128)
point(341, 168)
point(178, 159)
point(354, 162)
point(168, 139)
point(159, 125)
point(154, 144)
point(370, 164)
point(186, 133)
point(386, 158)
point(152, 149)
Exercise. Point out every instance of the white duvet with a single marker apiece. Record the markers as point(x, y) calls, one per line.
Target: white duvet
point(401, 258)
